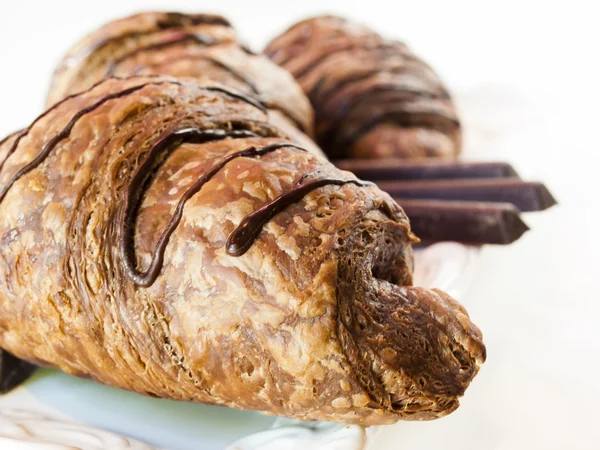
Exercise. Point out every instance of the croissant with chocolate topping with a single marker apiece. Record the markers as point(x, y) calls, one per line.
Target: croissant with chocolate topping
point(166, 238)
point(199, 47)
point(372, 97)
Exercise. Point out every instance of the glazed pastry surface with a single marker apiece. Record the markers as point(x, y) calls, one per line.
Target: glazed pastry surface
point(167, 238)
point(373, 98)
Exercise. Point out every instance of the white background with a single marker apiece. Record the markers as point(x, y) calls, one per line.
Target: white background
point(526, 83)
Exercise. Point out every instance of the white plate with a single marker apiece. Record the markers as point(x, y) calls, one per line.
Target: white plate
point(57, 411)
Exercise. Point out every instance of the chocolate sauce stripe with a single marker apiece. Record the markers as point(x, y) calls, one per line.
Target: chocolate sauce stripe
point(136, 187)
point(3, 141)
point(210, 59)
point(253, 87)
point(392, 82)
point(322, 58)
point(94, 47)
point(354, 103)
point(328, 53)
point(47, 148)
point(336, 86)
point(57, 104)
point(432, 120)
point(236, 74)
point(222, 89)
point(249, 228)
point(287, 55)
point(341, 117)
point(331, 130)
point(424, 169)
point(286, 113)
point(379, 60)
point(198, 38)
point(299, 39)
point(25, 131)
point(9, 136)
point(237, 95)
point(195, 19)
point(310, 65)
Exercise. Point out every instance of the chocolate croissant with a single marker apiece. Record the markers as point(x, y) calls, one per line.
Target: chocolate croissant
point(372, 97)
point(202, 47)
point(166, 238)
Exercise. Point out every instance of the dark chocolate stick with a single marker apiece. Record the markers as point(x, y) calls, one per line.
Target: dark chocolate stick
point(468, 222)
point(525, 195)
point(424, 169)
point(13, 371)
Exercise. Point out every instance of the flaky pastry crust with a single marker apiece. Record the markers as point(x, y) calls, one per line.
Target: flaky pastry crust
point(311, 317)
point(373, 98)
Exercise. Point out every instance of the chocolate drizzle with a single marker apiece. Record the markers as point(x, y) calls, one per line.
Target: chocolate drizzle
point(247, 231)
point(257, 92)
point(350, 104)
point(424, 119)
point(25, 131)
point(339, 117)
point(317, 92)
point(235, 74)
point(251, 101)
point(335, 106)
point(180, 38)
point(173, 20)
point(335, 51)
point(216, 62)
point(177, 19)
point(139, 70)
point(3, 141)
point(51, 144)
point(133, 195)
point(9, 136)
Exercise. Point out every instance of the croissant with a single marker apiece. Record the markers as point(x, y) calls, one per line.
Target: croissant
point(372, 97)
point(200, 47)
point(166, 238)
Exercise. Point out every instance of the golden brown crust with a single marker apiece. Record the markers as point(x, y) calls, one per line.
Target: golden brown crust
point(199, 47)
point(274, 330)
point(372, 97)
point(88, 61)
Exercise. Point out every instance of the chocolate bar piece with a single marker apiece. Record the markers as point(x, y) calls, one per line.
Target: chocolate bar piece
point(525, 195)
point(424, 169)
point(464, 221)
